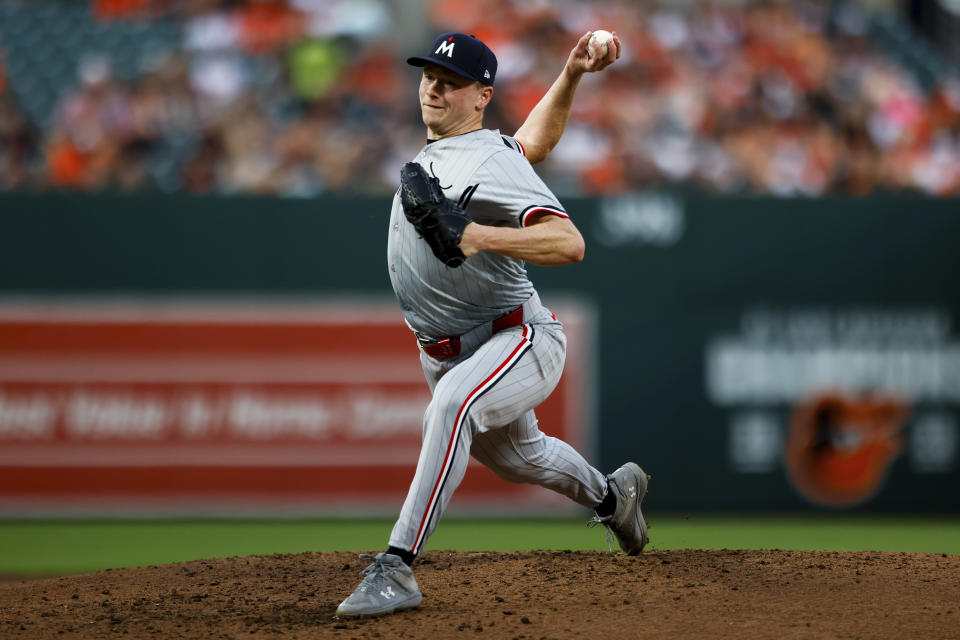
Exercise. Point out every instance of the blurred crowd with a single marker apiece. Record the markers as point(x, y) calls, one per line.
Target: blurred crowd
point(299, 97)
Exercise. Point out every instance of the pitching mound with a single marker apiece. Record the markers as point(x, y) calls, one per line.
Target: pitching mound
point(541, 594)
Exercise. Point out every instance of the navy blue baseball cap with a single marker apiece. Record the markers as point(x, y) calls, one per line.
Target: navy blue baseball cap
point(463, 54)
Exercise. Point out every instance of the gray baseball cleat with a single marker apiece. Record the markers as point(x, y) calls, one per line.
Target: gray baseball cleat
point(629, 484)
point(388, 585)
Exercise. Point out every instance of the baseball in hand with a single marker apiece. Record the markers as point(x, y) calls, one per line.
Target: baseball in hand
point(598, 43)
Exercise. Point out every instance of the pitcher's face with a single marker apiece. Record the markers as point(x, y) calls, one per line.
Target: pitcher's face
point(451, 104)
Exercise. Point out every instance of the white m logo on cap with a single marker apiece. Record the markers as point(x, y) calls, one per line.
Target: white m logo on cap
point(445, 47)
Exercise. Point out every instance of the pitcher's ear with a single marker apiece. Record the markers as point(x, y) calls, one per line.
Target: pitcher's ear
point(486, 94)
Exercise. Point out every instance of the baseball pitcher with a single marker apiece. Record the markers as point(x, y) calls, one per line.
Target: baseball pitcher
point(470, 211)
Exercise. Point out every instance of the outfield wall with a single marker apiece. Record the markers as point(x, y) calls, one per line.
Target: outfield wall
point(749, 352)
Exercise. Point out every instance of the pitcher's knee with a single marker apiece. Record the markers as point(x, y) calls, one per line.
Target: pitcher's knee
point(496, 450)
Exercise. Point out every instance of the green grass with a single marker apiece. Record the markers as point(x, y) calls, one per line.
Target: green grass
point(69, 546)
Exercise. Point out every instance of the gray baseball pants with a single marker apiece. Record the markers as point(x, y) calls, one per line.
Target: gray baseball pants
point(482, 405)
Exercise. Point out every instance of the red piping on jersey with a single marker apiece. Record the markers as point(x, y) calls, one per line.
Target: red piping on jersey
point(527, 215)
point(522, 150)
point(458, 423)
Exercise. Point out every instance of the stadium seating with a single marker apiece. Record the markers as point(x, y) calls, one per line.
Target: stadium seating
point(794, 99)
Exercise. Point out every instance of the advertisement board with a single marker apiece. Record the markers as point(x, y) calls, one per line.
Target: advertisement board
point(233, 407)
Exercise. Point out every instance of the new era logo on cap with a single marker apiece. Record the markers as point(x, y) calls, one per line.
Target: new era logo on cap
point(463, 54)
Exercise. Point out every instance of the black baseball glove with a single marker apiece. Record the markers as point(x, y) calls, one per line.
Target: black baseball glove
point(438, 220)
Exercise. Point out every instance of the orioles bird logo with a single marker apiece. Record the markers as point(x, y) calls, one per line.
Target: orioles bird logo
point(840, 447)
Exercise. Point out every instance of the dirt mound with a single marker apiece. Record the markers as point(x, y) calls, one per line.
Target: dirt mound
point(540, 594)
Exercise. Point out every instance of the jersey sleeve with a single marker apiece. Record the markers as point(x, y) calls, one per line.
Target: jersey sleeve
point(513, 143)
point(506, 191)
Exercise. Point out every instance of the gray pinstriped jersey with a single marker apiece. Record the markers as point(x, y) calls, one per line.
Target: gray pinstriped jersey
point(488, 175)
